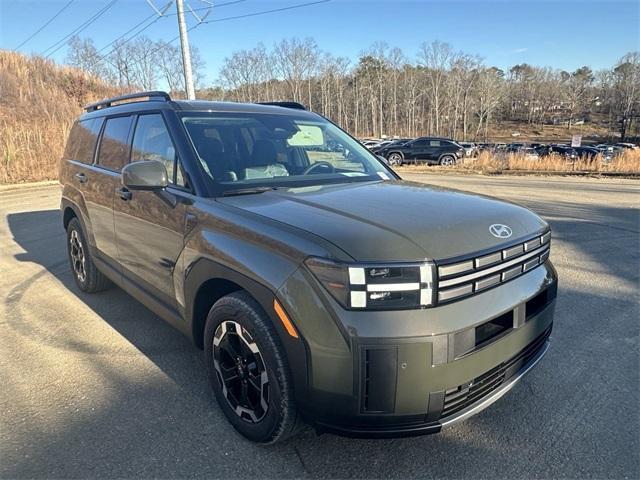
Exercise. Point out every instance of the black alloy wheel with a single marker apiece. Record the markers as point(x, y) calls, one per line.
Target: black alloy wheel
point(241, 371)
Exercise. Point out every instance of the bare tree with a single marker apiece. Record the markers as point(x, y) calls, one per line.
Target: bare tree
point(83, 54)
point(626, 100)
point(295, 60)
point(436, 58)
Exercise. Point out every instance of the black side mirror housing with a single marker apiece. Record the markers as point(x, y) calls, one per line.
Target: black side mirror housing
point(145, 175)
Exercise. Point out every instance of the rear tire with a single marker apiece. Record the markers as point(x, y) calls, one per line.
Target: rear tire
point(447, 160)
point(87, 277)
point(247, 368)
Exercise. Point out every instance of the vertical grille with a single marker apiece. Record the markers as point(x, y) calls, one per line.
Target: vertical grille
point(379, 372)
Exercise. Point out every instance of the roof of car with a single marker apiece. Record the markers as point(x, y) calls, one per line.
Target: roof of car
point(162, 101)
point(434, 138)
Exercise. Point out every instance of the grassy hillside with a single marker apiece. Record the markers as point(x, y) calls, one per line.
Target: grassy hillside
point(38, 102)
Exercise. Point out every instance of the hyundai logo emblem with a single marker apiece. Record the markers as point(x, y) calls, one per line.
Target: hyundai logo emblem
point(501, 231)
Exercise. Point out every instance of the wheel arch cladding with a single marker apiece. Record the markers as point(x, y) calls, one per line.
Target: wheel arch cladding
point(67, 215)
point(208, 281)
point(208, 293)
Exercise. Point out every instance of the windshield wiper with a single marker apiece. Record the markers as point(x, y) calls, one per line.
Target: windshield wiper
point(247, 191)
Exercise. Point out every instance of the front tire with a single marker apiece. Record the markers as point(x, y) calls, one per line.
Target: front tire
point(247, 368)
point(87, 277)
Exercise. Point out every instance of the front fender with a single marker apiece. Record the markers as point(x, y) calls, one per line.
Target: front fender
point(203, 268)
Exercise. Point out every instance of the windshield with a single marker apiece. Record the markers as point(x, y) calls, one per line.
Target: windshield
point(241, 151)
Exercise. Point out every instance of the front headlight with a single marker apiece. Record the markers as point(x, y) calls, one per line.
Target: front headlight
point(376, 286)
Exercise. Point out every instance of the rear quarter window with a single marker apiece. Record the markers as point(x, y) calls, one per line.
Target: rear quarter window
point(82, 140)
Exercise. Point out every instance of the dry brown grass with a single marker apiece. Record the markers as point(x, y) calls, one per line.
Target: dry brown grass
point(628, 162)
point(38, 103)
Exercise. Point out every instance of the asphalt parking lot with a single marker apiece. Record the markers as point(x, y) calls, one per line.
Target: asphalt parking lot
point(97, 386)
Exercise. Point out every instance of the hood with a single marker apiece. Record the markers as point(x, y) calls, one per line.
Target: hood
point(394, 220)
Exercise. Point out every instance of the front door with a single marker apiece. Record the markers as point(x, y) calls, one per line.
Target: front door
point(150, 225)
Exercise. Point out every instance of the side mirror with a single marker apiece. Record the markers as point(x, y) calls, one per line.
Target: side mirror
point(145, 175)
point(383, 160)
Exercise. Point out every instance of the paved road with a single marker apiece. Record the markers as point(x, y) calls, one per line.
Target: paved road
point(96, 386)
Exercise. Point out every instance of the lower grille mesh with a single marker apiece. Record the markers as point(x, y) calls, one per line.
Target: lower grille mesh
point(461, 397)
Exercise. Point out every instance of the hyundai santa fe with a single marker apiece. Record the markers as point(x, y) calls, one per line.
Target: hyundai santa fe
point(322, 288)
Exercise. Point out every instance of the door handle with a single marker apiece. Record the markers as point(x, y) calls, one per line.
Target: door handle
point(124, 193)
point(81, 177)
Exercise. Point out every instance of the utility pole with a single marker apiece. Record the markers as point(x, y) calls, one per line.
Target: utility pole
point(186, 53)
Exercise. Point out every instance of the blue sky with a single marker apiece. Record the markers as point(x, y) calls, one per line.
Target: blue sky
point(561, 34)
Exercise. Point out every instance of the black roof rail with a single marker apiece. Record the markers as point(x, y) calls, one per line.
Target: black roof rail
point(294, 105)
point(108, 102)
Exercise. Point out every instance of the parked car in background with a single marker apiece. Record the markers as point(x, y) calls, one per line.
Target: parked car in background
point(370, 143)
point(628, 146)
point(485, 147)
point(562, 150)
point(470, 149)
point(429, 150)
point(389, 144)
point(520, 149)
point(587, 153)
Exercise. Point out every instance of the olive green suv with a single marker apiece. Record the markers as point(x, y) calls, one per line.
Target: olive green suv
point(322, 288)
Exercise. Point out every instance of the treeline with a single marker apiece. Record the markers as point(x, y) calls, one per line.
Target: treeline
point(440, 91)
point(135, 64)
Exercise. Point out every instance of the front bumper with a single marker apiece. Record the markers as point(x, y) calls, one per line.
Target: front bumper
point(389, 374)
point(509, 380)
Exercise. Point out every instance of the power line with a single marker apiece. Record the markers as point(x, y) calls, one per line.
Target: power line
point(105, 56)
point(235, 17)
point(158, 17)
point(46, 23)
point(215, 5)
point(224, 19)
point(264, 12)
point(60, 43)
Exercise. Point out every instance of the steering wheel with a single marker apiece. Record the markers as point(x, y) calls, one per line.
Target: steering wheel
point(311, 168)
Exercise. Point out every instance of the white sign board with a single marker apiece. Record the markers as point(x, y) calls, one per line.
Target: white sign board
point(576, 140)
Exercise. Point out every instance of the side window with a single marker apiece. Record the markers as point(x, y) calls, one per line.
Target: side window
point(434, 143)
point(151, 141)
point(114, 149)
point(420, 143)
point(82, 140)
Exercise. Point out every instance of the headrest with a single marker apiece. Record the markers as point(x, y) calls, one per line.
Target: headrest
point(264, 153)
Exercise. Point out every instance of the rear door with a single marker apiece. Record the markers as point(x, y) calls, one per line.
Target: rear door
point(150, 226)
point(101, 182)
